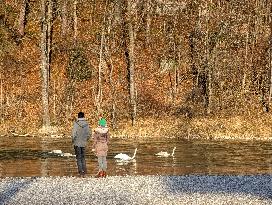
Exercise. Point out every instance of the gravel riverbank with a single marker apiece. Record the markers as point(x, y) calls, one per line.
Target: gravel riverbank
point(157, 190)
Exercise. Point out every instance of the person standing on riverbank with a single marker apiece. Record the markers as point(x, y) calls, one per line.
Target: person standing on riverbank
point(80, 136)
point(100, 146)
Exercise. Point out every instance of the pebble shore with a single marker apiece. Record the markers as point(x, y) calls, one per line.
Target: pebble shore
point(138, 190)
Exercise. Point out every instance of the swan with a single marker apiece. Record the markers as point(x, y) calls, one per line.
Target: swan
point(166, 154)
point(60, 153)
point(68, 155)
point(125, 157)
point(56, 151)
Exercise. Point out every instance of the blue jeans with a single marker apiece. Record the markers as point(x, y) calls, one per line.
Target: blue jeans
point(80, 156)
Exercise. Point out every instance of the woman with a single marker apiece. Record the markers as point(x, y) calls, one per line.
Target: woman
point(100, 146)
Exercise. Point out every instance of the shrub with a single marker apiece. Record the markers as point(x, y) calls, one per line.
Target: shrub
point(79, 67)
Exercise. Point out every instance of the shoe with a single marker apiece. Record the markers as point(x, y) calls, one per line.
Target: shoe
point(99, 174)
point(82, 174)
point(104, 174)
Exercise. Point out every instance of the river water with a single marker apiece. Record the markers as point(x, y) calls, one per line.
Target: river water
point(30, 156)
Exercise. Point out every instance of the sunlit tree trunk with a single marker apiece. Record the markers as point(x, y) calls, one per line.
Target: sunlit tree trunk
point(44, 66)
point(208, 63)
point(101, 60)
point(131, 64)
point(45, 57)
point(246, 59)
point(108, 59)
point(112, 84)
point(22, 18)
point(49, 31)
point(1, 95)
point(270, 54)
point(100, 91)
point(148, 21)
point(75, 21)
point(64, 17)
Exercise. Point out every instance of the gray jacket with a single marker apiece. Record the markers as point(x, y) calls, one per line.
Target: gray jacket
point(81, 132)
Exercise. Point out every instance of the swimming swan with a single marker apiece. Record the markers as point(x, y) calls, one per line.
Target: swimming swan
point(125, 157)
point(68, 155)
point(166, 154)
point(60, 153)
point(56, 151)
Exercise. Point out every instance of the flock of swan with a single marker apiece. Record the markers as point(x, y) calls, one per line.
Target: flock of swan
point(125, 157)
point(120, 156)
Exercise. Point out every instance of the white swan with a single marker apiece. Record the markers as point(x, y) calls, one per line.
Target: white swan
point(68, 155)
point(166, 154)
point(125, 157)
point(55, 151)
point(60, 153)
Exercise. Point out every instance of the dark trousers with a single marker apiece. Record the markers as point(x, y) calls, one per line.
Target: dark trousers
point(80, 156)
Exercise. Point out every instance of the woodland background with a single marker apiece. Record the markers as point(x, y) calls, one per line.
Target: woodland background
point(150, 67)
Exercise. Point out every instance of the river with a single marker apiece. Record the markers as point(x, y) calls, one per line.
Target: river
point(30, 156)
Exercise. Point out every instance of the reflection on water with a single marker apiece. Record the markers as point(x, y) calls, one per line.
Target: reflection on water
point(27, 156)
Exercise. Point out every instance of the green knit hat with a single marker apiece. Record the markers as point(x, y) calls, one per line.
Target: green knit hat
point(102, 122)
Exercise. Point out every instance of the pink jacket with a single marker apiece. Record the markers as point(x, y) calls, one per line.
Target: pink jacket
point(100, 141)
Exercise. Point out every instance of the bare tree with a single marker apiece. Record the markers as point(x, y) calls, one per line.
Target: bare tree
point(131, 62)
point(22, 18)
point(100, 90)
point(1, 95)
point(75, 20)
point(270, 54)
point(47, 7)
point(64, 17)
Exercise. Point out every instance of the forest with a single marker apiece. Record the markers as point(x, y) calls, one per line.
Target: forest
point(173, 68)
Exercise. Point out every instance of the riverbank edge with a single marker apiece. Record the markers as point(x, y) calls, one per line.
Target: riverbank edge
point(191, 136)
point(201, 128)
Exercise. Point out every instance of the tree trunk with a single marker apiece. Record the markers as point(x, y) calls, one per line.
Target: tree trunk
point(45, 58)
point(245, 65)
point(112, 89)
point(49, 37)
point(22, 18)
point(99, 93)
point(44, 66)
point(1, 95)
point(208, 66)
point(109, 61)
point(128, 45)
point(101, 59)
point(75, 21)
point(64, 17)
point(148, 22)
point(270, 55)
point(131, 64)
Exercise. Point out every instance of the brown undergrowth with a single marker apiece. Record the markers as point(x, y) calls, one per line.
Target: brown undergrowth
point(238, 127)
point(257, 127)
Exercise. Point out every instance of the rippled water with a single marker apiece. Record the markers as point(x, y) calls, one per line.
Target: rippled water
point(29, 156)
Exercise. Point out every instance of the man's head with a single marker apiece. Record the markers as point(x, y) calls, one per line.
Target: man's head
point(80, 115)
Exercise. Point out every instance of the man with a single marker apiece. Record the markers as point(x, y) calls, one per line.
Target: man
point(80, 136)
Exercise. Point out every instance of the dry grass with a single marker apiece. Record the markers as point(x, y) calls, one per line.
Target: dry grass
point(257, 127)
point(239, 127)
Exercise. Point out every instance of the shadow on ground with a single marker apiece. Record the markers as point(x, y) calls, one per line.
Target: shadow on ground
point(254, 185)
point(11, 188)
